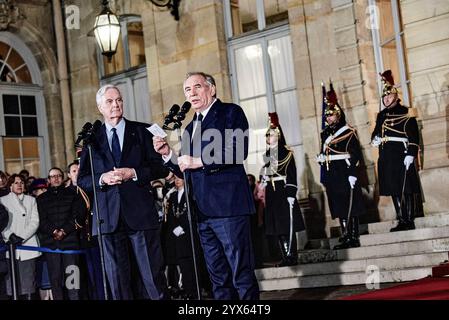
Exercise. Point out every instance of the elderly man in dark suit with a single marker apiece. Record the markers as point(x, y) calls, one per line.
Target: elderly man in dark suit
point(214, 146)
point(125, 163)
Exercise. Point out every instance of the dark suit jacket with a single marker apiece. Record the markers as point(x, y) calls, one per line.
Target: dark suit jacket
point(220, 187)
point(132, 199)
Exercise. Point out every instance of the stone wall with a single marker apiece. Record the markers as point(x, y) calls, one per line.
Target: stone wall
point(83, 67)
point(195, 43)
point(426, 35)
point(38, 35)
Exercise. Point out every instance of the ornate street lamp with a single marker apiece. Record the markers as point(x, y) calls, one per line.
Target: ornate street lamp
point(107, 30)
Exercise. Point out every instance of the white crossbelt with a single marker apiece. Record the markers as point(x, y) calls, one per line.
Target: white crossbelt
point(279, 178)
point(396, 139)
point(334, 157)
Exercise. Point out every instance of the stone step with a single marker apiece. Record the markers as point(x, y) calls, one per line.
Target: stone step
point(400, 236)
point(430, 221)
point(338, 279)
point(375, 251)
point(351, 266)
point(384, 238)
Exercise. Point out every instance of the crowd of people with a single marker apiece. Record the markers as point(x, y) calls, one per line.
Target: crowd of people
point(42, 213)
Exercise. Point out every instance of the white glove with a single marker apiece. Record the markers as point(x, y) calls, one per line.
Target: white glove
point(160, 213)
point(291, 201)
point(376, 141)
point(320, 158)
point(408, 160)
point(264, 181)
point(178, 231)
point(352, 181)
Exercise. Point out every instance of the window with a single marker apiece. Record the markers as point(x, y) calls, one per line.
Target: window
point(388, 43)
point(12, 67)
point(263, 81)
point(22, 116)
point(254, 15)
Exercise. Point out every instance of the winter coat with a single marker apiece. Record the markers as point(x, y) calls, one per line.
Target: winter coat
point(23, 222)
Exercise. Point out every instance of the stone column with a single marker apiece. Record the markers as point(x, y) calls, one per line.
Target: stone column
point(63, 81)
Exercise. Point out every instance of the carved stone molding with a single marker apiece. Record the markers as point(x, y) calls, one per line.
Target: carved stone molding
point(9, 13)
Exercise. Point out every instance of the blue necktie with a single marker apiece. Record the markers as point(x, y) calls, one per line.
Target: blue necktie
point(116, 153)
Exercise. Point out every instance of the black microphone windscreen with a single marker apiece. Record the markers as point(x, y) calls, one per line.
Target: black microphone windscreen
point(87, 126)
point(186, 107)
point(174, 110)
point(97, 124)
point(171, 114)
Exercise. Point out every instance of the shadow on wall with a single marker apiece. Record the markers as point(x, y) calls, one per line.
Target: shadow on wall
point(370, 187)
point(313, 208)
point(370, 194)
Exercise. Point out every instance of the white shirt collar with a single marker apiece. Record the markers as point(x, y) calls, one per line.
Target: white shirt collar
point(120, 126)
point(206, 111)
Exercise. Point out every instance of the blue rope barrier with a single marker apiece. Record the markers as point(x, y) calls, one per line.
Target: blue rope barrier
point(42, 249)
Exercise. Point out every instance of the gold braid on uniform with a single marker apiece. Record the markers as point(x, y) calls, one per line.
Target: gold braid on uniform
point(339, 139)
point(86, 222)
point(393, 120)
point(284, 162)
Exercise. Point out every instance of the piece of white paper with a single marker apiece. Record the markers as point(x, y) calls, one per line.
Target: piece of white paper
point(157, 131)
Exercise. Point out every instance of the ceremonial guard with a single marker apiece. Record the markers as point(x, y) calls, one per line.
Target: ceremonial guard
point(397, 136)
point(340, 156)
point(283, 216)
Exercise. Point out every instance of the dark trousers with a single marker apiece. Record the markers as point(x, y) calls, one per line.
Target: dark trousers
point(58, 271)
point(148, 254)
point(188, 276)
point(94, 276)
point(229, 257)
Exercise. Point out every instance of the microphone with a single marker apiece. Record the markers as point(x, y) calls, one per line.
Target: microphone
point(184, 109)
point(182, 114)
point(82, 134)
point(169, 118)
point(97, 124)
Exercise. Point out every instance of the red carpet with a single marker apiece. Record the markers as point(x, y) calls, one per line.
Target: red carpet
point(423, 289)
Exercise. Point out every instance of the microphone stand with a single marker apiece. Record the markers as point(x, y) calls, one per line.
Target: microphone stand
point(177, 127)
point(88, 141)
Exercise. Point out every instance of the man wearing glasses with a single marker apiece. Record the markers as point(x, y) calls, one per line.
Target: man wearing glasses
point(60, 212)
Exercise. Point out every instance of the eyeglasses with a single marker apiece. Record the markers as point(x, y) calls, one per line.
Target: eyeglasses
point(55, 176)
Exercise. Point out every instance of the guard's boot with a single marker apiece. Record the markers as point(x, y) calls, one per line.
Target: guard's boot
point(289, 255)
point(344, 230)
point(409, 211)
point(352, 239)
point(399, 208)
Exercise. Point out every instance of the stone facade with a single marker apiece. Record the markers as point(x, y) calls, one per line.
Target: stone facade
point(329, 40)
point(38, 35)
